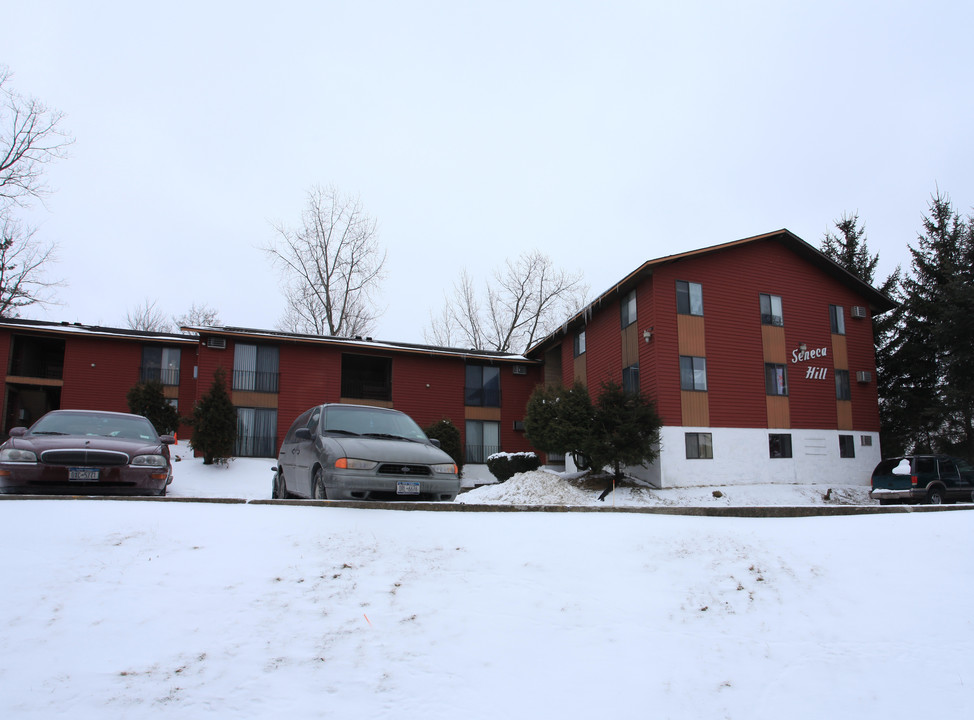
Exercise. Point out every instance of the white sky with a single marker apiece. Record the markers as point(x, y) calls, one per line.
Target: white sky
point(602, 133)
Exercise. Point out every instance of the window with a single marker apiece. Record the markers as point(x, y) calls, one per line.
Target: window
point(700, 446)
point(630, 379)
point(689, 298)
point(160, 364)
point(255, 367)
point(866, 440)
point(837, 319)
point(367, 377)
point(483, 386)
point(842, 385)
point(483, 440)
point(693, 373)
point(771, 310)
point(847, 446)
point(256, 432)
point(580, 343)
point(775, 379)
point(779, 445)
point(628, 309)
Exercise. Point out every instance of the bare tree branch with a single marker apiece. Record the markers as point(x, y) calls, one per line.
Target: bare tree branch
point(331, 267)
point(22, 263)
point(527, 299)
point(30, 137)
point(148, 317)
point(200, 315)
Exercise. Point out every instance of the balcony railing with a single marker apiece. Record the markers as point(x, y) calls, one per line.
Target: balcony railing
point(255, 381)
point(255, 446)
point(479, 453)
point(166, 376)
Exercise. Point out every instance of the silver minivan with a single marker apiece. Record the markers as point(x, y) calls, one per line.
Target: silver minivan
point(360, 452)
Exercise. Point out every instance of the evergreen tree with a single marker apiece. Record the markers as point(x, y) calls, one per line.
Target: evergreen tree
point(558, 420)
point(625, 430)
point(931, 359)
point(449, 436)
point(214, 422)
point(147, 398)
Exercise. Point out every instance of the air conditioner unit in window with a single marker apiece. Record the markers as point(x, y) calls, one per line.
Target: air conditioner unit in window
point(216, 343)
point(858, 311)
point(864, 376)
point(520, 370)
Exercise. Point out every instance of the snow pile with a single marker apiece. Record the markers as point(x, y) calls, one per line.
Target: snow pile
point(537, 487)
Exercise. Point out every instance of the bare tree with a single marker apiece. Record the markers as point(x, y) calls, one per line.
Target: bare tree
point(22, 264)
point(201, 315)
point(331, 266)
point(148, 317)
point(30, 137)
point(527, 299)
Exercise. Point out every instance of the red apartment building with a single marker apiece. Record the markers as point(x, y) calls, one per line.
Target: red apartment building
point(759, 354)
point(273, 378)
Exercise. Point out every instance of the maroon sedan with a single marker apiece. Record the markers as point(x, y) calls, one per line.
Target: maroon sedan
point(86, 452)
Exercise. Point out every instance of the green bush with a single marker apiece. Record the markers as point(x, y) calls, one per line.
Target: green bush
point(148, 399)
point(504, 466)
point(449, 436)
point(214, 422)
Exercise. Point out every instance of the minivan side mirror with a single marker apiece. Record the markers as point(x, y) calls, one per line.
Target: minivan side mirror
point(302, 434)
point(435, 442)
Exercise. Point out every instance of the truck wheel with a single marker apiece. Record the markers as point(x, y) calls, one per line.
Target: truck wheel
point(936, 496)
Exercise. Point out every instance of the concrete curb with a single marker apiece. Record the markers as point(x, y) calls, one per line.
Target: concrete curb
point(763, 511)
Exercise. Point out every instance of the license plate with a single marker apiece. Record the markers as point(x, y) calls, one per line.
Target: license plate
point(407, 488)
point(82, 474)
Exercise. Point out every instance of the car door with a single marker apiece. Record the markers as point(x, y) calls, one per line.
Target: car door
point(307, 452)
point(287, 457)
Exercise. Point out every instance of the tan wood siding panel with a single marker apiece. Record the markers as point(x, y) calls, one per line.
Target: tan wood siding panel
point(840, 353)
point(171, 392)
point(630, 345)
point(580, 373)
point(779, 413)
point(844, 412)
point(696, 408)
point(254, 399)
point(24, 380)
point(552, 366)
point(690, 329)
point(479, 413)
point(773, 338)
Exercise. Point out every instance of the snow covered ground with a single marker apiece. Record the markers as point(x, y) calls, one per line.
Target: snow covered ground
point(145, 609)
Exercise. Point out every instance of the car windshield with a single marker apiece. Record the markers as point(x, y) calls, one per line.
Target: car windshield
point(120, 426)
point(372, 423)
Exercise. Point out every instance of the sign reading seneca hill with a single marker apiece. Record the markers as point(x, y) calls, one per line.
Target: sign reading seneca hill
point(803, 354)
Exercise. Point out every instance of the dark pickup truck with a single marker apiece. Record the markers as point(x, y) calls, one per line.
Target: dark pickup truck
point(932, 479)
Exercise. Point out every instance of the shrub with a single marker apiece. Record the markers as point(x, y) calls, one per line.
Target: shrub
point(504, 466)
point(214, 422)
point(449, 436)
point(148, 399)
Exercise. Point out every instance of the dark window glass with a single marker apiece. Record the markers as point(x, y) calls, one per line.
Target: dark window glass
point(771, 310)
point(847, 446)
point(693, 373)
point(842, 385)
point(483, 386)
point(580, 343)
point(837, 319)
point(699, 446)
point(366, 377)
point(482, 440)
point(160, 364)
point(775, 379)
point(255, 367)
point(630, 378)
point(628, 309)
point(689, 298)
point(256, 432)
point(779, 445)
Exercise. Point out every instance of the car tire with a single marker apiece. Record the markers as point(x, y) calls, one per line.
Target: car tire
point(279, 491)
point(318, 491)
point(936, 496)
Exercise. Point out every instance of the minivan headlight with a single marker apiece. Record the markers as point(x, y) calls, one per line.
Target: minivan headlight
point(149, 460)
point(18, 455)
point(354, 464)
point(445, 469)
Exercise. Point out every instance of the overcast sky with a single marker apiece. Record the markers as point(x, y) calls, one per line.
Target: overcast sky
point(602, 133)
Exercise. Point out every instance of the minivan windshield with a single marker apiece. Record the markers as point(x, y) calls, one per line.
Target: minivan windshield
point(373, 422)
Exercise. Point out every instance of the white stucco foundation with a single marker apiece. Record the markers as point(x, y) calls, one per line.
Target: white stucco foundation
point(742, 457)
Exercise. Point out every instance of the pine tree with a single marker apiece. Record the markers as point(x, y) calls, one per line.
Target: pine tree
point(558, 420)
point(148, 399)
point(214, 422)
point(625, 430)
point(932, 360)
